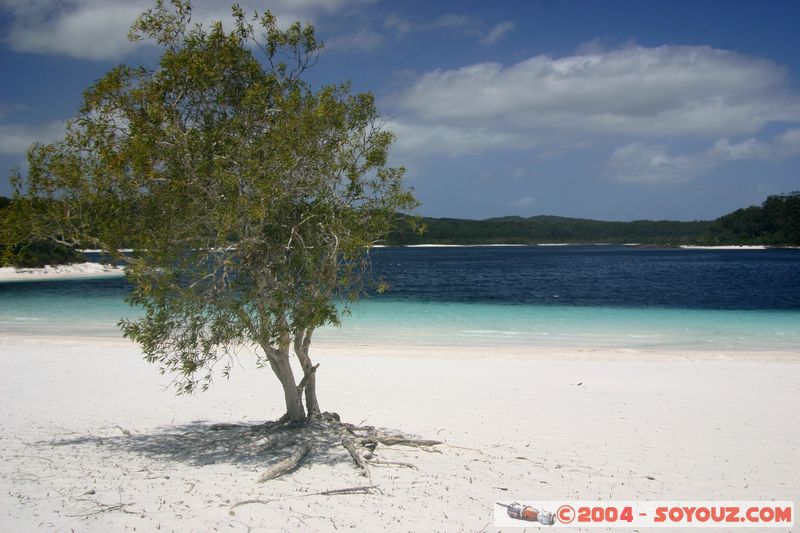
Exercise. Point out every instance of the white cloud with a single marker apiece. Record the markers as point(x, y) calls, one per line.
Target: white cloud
point(15, 139)
point(498, 32)
point(525, 201)
point(82, 29)
point(595, 46)
point(362, 40)
point(451, 21)
point(458, 23)
point(398, 24)
point(787, 144)
point(649, 163)
point(653, 163)
point(748, 149)
point(97, 29)
point(519, 173)
point(662, 92)
point(441, 139)
point(4, 108)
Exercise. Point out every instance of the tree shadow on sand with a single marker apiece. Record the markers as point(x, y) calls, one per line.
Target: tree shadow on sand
point(278, 447)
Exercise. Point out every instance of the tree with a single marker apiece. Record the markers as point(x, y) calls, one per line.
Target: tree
point(249, 199)
point(776, 221)
point(25, 252)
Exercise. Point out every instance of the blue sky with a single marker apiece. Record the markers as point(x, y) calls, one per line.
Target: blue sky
point(615, 110)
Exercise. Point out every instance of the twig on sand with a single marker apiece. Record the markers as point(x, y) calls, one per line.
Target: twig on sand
point(249, 529)
point(392, 463)
point(104, 508)
point(248, 502)
point(361, 489)
point(34, 457)
point(464, 448)
point(286, 465)
point(244, 502)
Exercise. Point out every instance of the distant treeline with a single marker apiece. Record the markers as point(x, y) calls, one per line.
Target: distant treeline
point(776, 222)
point(551, 229)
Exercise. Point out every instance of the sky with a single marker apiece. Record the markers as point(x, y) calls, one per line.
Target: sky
point(612, 110)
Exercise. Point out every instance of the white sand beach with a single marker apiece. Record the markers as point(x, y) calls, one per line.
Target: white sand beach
point(725, 247)
point(93, 439)
point(72, 271)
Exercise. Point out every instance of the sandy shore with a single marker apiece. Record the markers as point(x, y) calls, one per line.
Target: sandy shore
point(92, 438)
point(725, 247)
point(77, 270)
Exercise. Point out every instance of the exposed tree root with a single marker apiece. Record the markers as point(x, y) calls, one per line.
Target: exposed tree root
point(393, 440)
point(370, 434)
point(326, 430)
point(350, 446)
point(286, 465)
point(223, 427)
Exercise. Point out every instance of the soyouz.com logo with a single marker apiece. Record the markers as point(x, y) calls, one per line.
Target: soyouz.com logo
point(619, 514)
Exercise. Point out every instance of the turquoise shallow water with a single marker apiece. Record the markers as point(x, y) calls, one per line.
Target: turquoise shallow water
point(600, 327)
point(383, 320)
point(62, 308)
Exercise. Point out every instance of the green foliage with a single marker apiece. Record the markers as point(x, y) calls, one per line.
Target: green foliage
point(38, 254)
point(24, 252)
point(250, 199)
point(775, 222)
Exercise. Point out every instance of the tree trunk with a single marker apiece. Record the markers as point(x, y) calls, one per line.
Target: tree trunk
point(302, 343)
point(279, 361)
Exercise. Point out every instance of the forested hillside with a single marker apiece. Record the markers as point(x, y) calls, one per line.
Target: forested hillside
point(552, 229)
point(776, 222)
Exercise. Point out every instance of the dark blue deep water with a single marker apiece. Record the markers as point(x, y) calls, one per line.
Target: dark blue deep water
point(595, 276)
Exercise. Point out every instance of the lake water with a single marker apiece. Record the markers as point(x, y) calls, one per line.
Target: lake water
point(586, 296)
